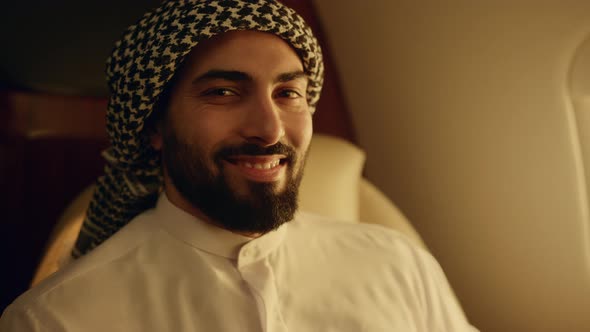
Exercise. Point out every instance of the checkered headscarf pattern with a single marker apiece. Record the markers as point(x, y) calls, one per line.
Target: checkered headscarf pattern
point(138, 70)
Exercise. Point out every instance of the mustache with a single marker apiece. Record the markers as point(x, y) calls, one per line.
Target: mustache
point(255, 150)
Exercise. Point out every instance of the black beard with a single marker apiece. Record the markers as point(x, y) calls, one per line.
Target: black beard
point(261, 211)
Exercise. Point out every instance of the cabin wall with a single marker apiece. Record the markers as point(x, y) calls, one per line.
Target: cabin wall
point(473, 118)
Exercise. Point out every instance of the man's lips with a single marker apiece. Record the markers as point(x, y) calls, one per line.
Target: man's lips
point(261, 168)
point(258, 162)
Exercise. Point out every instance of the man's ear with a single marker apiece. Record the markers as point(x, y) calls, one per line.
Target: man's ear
point(156, 122)
point(156, 140)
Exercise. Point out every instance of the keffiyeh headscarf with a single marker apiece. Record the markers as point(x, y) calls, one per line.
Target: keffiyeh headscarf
point(138, 70)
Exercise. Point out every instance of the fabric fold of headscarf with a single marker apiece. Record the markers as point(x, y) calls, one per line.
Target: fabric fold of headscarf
point(138, 70)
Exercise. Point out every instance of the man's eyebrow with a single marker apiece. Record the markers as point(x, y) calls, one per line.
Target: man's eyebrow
point(238, 76)
point(228, 75)
point(291, 76)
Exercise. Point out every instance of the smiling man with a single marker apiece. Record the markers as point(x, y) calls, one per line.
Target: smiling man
point(194, 226)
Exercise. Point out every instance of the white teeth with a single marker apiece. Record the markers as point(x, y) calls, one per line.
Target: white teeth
point(270, 165)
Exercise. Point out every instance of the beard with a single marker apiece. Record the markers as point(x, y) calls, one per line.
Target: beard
point(261, 210)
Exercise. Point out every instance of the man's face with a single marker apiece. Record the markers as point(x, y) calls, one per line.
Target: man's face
point(236, 132)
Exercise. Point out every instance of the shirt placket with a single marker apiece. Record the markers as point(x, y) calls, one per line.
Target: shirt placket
point(259, 276)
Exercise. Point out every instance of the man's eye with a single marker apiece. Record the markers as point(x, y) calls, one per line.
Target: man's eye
point(287, 93)
point(220, 92)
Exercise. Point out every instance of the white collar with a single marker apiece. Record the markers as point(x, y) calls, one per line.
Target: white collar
point(210, 238)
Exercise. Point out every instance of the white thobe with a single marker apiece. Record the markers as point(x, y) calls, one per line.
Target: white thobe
point(168, 271)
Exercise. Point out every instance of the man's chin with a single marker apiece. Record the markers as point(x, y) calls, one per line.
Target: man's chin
point(258, 193)
point(246, 189)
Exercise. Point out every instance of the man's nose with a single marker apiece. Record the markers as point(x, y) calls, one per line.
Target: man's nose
point(263, 123)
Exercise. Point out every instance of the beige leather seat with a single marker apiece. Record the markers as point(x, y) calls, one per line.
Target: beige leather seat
point(332, 186)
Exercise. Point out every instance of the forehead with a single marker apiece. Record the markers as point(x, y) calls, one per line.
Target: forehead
point(256, 53)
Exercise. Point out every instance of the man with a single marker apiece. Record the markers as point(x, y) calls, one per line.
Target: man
point(217, 97)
